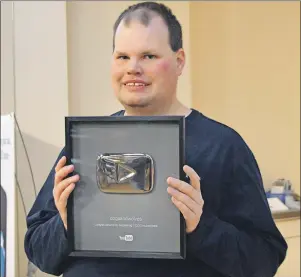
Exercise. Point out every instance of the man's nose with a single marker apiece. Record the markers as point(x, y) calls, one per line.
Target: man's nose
point(134, 67)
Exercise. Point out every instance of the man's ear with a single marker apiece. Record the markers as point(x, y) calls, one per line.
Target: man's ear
point(180, 56)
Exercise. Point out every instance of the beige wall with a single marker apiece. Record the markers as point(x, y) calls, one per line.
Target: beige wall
point(35, 87)
point(7, 66)
point(41, 95)
point(246, 73)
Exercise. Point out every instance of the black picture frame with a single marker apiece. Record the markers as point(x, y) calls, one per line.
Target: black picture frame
point(179, 121)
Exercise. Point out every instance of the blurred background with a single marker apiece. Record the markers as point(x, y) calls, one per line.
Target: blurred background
point(243, 69)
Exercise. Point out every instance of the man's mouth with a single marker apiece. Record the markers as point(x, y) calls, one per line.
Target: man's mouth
point(135, 85)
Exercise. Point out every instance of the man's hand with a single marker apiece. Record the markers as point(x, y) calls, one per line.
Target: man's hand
point(63, 187)
point(187, 198)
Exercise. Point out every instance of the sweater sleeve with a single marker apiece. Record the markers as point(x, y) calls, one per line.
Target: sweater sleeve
point(45, 242)
point(241, 240)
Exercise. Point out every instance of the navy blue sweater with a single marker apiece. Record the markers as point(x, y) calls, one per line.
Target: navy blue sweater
point(235, 237)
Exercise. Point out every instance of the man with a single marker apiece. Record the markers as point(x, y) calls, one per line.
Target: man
point(230, 231)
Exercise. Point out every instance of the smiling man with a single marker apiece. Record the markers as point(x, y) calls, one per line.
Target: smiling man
point(229, 227)
point(145, 73)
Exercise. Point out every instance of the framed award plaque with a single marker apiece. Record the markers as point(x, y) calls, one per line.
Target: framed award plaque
point(120, 206)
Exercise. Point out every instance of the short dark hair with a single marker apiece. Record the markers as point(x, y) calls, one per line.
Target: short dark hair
point(144, 12)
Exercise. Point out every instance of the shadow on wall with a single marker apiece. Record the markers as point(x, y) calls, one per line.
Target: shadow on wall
point(42, 157)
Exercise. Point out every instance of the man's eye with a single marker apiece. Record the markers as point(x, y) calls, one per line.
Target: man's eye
point(122, 57)
point(150, 57)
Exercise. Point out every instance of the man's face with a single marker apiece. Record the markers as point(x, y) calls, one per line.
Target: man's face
point(144, 67)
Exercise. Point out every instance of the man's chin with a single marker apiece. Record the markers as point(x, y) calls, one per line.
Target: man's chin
point(136, 104)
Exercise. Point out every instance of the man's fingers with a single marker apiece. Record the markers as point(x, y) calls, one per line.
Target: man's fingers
point(184, 187)
point(58, 189)
point(65, 194)
point(60, 163)
point(62, 173)
point(193, 176)
point(185, 199)
point(186, 212)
